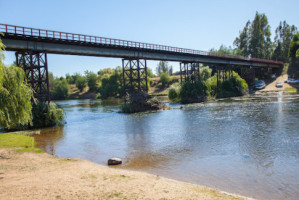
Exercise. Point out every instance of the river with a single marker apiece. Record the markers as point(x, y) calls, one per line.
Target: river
point(247, 145)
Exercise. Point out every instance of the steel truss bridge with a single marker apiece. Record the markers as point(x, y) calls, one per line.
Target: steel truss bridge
point(32, 46)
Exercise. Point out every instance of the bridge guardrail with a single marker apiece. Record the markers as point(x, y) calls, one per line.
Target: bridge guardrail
point(33, 32)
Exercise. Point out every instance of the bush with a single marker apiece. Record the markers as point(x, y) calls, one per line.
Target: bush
point(205, 73)
point(236, 86)
point(45, 115)
point(71, 79)
point(194, 90)
point(59, 89)
point(81, 83)
point(127, 108)
point(91, 81)
point(165, 79)
point(174, 93)
point(111, 85)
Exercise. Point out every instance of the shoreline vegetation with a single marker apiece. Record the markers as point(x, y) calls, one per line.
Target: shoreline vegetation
point(30, 173)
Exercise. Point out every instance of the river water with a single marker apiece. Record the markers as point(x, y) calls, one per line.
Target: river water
point(248, 145)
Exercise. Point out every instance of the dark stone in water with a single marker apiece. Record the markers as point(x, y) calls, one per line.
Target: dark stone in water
point(114, 161)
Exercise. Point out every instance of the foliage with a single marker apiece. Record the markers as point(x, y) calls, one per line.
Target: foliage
point(174, 93)
point(294, 46)
point(105, 71)
point(127, 108)
point(236, 86)
point(111, 84)
point(72, 79)
point(149, 73)
point(59, 88)
point(91, 80)
point(194, 90)
point(255, 39)
point(165, 79)
point(15, 96)
point(45, 115)
point(81, 83)
point(226, 50)
point(205, 73)
point(283, 36)
point(294, 55)
point(164, 68)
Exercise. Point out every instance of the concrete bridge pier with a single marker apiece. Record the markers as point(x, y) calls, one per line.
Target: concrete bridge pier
point(189, 71)
point(134, 76)
point(35, 66)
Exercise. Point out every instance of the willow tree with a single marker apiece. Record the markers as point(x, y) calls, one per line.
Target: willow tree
point(15, 96)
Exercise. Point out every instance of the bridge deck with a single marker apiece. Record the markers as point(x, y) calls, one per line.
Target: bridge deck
point(17, 38)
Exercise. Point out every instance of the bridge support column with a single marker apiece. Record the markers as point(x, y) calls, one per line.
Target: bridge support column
point(224, 73)
point(35, 66)
point(134, 76)
point(189, 72)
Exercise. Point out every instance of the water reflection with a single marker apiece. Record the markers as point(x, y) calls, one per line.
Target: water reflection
point(247, 145)
point(48, 138)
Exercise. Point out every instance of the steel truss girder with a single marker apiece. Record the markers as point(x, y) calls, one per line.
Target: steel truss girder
point(134, 75)
point(35, 66)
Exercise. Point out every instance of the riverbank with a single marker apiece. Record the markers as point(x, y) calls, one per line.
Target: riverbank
point(31, 175)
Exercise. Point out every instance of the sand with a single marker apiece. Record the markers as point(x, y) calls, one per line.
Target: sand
point(30, 175)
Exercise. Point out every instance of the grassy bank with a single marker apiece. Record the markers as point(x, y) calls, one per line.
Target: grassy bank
point(22, 143)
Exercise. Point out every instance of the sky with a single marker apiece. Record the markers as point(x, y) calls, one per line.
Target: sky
point(193, 24)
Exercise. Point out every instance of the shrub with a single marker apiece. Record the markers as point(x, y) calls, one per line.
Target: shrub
point(174, 93)
point(59, 89)
point(111, 85)
point(193, 90)
point(205, 73)
point(45, 115)
point(81, 83)
point(91, 80)
point(165, 79)
point(236, 86)
point(127, 108)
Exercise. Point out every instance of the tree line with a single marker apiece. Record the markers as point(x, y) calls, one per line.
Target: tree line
point(255, 41)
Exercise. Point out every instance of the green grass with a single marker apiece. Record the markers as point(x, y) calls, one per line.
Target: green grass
point(291, 90)
point(22, 142)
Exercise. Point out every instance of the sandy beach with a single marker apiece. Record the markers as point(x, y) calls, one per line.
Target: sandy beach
point(30, 175)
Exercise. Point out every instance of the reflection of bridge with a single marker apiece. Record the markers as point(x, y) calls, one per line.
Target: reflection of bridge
point(32, 45)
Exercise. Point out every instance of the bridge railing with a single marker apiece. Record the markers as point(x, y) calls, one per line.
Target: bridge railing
point(49, 34)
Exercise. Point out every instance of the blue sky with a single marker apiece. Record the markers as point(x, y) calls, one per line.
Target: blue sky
point(190, 24)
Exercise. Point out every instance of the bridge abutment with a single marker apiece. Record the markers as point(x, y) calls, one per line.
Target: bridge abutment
point(35, 66)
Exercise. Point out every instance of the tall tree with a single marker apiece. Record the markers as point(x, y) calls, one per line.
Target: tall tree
point(255, 39)
point(163, 68)
point(283, 36)
point(242, 42)
point(260, 41)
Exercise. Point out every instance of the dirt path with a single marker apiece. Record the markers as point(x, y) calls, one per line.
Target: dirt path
point(272, 86)
point(41, 176)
